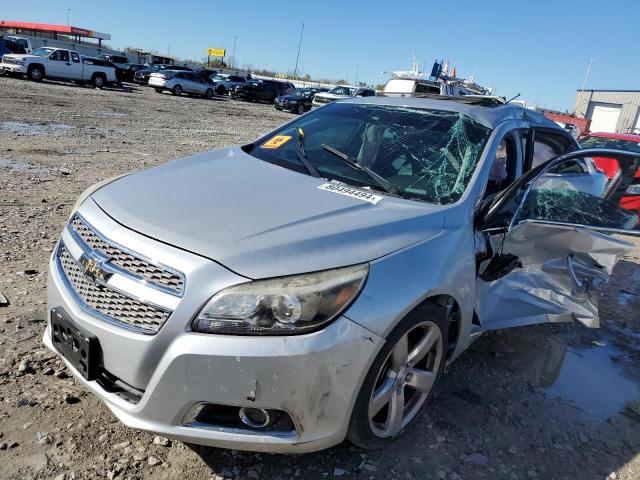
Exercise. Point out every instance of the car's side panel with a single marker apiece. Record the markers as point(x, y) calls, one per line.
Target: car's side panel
point(442, 265)
point(561, 268)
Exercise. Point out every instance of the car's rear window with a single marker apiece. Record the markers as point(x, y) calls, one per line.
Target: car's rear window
point(426, 154)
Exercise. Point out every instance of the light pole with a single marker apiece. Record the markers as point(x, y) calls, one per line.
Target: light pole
point(357, 71)
point(68, 15)
point(233, 56)
point(295, 70)
point(586, 78)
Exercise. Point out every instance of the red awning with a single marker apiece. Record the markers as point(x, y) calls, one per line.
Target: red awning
point(47, 27)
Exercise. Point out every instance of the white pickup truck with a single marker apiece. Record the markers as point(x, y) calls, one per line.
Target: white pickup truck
point(48, 62)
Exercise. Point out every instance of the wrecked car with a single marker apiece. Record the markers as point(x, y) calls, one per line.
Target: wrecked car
point(312, 285)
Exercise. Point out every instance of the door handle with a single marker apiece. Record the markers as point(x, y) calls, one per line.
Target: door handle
point(68, 63)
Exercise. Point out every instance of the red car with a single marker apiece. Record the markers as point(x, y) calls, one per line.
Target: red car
point(631, 201)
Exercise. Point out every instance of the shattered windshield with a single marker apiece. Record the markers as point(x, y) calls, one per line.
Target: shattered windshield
point(615, 143)
point(425, 154)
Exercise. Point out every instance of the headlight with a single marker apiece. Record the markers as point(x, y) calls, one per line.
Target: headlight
point(91, 190)
point(282, 306)
point(633, 189)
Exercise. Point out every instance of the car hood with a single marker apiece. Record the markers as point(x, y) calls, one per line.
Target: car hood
point(331, 95)
point(19, 56)
point(297, 98)
point(261, 220)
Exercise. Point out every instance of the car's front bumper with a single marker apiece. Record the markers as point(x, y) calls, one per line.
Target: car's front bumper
point(314, 378)
point(13, 68)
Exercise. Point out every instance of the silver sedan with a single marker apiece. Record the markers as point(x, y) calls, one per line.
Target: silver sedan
point(312, 285)
point(179, 82)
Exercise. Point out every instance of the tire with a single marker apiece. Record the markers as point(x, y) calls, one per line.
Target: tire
point(177, 90)
point(158, 90)
point(36, 73)
point(300, 109)
point(220, 90)
point(98, 80)
point(423, 325)
point(208, 94)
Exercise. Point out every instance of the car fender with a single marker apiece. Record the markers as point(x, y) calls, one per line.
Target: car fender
point(41, 64)
point(443, 264)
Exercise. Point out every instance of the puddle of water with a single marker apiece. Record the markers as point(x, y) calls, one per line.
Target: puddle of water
point(34, 129)
point(21, 167)
point(589, 378)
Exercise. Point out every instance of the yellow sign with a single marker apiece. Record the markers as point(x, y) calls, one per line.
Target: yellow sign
point(276, 142)
point(215, 52)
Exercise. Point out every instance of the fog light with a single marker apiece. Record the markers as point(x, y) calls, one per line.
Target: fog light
point(254, 417)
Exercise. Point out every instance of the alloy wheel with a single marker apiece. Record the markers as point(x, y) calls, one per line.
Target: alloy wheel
point(405, 379)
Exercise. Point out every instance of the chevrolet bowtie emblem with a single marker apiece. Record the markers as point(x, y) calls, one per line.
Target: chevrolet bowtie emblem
point(93, 268)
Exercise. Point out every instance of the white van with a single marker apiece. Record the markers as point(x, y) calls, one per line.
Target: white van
point(409, 85)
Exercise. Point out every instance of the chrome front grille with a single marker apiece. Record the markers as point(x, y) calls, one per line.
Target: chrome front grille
point(113, 306)
point(138, 267)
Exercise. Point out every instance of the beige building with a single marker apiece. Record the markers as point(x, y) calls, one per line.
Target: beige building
point(615, 111)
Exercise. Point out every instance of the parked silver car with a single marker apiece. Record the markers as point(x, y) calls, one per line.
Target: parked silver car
point(311, 286)
point(340, 93)
point(179, 82)
point(223, 83)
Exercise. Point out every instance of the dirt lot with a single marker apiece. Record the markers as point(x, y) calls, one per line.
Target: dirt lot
point(548, 402)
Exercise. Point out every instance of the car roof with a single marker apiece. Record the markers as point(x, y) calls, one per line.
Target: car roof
point(487, 113)
point(617, 136)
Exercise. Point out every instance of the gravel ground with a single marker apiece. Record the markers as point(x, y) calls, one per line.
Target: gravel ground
point(553, 401)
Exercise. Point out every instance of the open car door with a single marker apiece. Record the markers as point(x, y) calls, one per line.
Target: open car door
point(548, 240)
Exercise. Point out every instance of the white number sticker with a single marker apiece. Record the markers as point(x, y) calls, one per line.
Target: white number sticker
point(351, 192)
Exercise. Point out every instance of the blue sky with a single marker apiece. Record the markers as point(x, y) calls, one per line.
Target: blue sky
point(540, 49)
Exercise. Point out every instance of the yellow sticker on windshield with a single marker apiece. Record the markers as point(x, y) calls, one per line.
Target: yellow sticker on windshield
point(276, 142)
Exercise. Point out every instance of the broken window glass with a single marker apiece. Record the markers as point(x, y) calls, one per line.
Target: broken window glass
point(573, 206)
point(426, 154)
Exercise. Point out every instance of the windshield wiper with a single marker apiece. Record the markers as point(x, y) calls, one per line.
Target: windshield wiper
point(353, 163)
point(302, 156)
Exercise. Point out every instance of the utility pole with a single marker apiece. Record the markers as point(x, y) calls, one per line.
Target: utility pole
point(68, 17)
point(584, 84)
point(233, 56)
point(295, 70)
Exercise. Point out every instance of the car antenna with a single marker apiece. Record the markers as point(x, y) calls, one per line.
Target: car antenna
point(512, 99)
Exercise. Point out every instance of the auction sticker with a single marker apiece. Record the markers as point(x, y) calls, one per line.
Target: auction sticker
point(351, 192)
point(276, 142)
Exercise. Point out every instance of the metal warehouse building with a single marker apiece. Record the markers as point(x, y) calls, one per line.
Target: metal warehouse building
point(615, 111)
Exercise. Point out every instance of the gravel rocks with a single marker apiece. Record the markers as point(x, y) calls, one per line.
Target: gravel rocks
point(162, 441)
